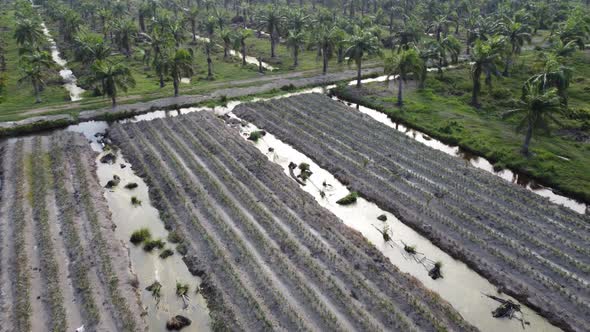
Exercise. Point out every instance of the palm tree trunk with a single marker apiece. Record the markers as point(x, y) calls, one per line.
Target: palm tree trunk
point(272, 45)
point(358, 73)
point(243, 53)
point(162, 81)
point(114, 99)
point(175, 83)
point(209, 63)
point(37, 94)
point(325, 62)
point(527, 140)
point(295, 56)
point(506, 72)
point(400, 100)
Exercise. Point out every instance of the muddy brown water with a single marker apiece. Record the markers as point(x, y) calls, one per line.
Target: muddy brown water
point(461, 286)
point(149, 267)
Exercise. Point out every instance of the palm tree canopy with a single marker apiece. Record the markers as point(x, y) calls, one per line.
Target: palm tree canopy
point(295, 39)
point(538, 109)
point(29, 32)
point(115, 76)
point(403, 63)
point(362, 42)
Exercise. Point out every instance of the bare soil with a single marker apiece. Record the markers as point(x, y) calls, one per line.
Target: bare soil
point(530, 248)
point(61, 268)
point(269, 255)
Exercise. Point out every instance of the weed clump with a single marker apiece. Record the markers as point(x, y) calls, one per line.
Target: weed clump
point(140, 235)
point(348, 199)
point(410, 249)
point(155, 288)
point(135, 201)
point(114, 182)
point(382, 217)
point(131, 185)
point(256, 135)
point(166, 253)
point(181, 289)
point(153, 244)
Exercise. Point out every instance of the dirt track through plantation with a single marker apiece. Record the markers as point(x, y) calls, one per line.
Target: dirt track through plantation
point(61, 268)
point(534, 250)
point(269, 255)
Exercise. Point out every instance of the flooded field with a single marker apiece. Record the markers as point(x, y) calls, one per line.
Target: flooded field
point(62, 267)
point(277, 247)
point(463, 288)
point(493, 226)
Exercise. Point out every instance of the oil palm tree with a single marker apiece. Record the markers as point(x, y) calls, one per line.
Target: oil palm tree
point(326, 38)
point(124, 32)
point(114, 77)
point(28, 32)
point(210, 25)
point(295, 41)
point(34, 70)
point(179, 64)
point(448, 47)
point(400, 65)
point(227, 36)
point(271, 20)
point(439, 26)
point(70, 24)
point(516, 34)
point(361, 43)
point(191, 16)
point(538, 108)
point(485, 58)
point(296, 20)
point(554, 75)
point(240, 42)
point(90, 47)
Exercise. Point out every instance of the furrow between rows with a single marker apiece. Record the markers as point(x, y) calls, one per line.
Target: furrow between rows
point(202, 137)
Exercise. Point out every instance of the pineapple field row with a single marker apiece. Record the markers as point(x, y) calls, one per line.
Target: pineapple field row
point(60, 267)
point(530, 248)
point(270, 257)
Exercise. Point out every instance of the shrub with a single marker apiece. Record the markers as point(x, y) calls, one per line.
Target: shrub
point(256, 135)
point(348, 199)
point(181, 289)
point(140, 235)
point(289, 87)
point(166, 253)
point(153, 244)
point(135, 201)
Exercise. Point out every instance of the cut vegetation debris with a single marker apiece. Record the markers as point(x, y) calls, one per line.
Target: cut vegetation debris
point(53, 213)
point(348, 199)
point(267, 262)
point(536, 251)
point(140, 236)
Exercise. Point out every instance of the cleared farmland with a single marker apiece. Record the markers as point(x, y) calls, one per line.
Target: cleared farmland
point(60, 266)
point(536, 251)
point(269, 255)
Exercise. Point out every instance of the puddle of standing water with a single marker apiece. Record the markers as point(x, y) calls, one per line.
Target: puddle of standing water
point(149, 267)
point(462, 287)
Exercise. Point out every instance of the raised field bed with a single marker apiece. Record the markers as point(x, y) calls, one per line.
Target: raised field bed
point(269, 255)
point(60, 267)
point(532, 249)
